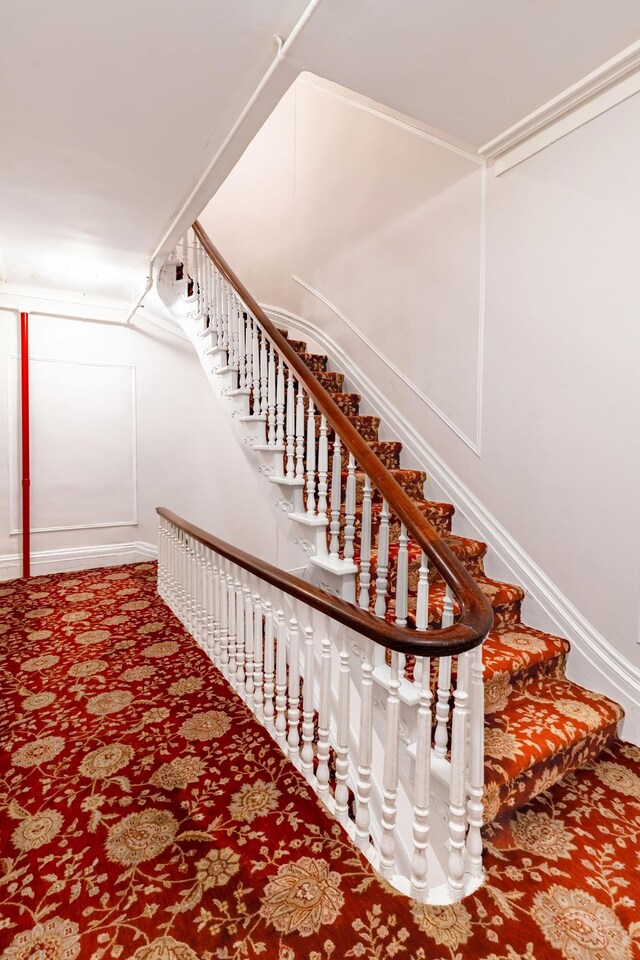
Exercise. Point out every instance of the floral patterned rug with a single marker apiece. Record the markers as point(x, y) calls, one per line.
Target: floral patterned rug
point(146, 815)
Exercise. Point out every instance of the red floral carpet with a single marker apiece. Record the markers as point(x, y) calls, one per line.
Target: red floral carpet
point(147, 815)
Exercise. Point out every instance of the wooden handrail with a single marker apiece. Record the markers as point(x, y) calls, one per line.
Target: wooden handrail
point(476, 614)
point(421, 643)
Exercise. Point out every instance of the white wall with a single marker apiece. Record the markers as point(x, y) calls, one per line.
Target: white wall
point(511, 342)
point(123, 420)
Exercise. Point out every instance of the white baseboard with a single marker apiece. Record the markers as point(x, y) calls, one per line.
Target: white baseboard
point(594, 662)
point(78, 558)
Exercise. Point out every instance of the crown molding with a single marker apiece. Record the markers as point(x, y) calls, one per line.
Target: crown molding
point(603, 88)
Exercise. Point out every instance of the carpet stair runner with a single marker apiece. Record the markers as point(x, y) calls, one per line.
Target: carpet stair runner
point(539, 725)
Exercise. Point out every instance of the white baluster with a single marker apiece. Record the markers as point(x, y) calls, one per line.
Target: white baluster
point(210, 605)
point(242, 348)
point(342, 740)
point(311, 460)
point(269, 686)
point(264, 375)
point(444, 686)
point(365, 747)
point(457, 794)
point(185, 257)
point(402, 580)
point(224, 624)
point(383, 562)
point(280, 381)
point(217, 629)
point(390, 774)
point(233, 311)
point(324, 716)
point(422, 788)
point(365, 545)
point(225, 317)
point(271, 397)
point(475, 807)
point(248, 647)
point(229, 669)
point(293, 715)
point(240, 654)
point(281, 680)
point(256, 370)
point(422, 605)
point(213, 301)
point(306, 754)
point(249, 333)
point(258, 676)
point(350, 509)
point(336, 496)
point(323, 467)
point(300, 434)
point(291, 427)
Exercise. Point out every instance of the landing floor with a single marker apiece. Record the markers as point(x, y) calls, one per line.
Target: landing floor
point(147, 815)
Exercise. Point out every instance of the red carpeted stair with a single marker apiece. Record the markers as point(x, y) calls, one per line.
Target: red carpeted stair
point(539, 725)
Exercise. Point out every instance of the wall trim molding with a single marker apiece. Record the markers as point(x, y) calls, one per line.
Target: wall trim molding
point(473, 445)
point(15, 492)
point(546, 606)
point(78, 558)
point(609, 84)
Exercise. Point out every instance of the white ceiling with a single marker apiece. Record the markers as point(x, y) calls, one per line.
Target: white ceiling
point(110, 112)
point(470, 68)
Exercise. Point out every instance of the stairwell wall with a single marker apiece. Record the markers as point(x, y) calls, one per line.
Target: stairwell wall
point(122, 420)
point(498, 315)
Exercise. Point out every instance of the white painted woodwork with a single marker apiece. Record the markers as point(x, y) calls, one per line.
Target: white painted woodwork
point(383, 561)
point(258, 658)
point(322, 772)
point(419, 862)
point(390, 773)
point(342, 744)
point(350, 509)
point(336, 492)
point(475, 807)
point(311, 459)
point(365, 546)
point(306, 753)
point(365, 749)
point(269, 668)
point(293, 712)
point(457, 808)
point(323, 466)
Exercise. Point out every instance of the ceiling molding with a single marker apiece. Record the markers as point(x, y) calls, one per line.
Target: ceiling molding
point(610, 84)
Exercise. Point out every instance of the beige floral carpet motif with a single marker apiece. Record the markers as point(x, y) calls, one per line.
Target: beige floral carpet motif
point(146, 815)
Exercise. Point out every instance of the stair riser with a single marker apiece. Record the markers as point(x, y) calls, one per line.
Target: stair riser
point(518, 792)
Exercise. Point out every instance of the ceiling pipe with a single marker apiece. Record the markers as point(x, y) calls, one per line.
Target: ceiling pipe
point(283, 49)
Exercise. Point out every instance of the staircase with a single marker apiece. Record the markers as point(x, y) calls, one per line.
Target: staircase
point(538, 726)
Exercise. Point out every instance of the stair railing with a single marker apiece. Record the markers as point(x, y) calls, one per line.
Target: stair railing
point(342, 489)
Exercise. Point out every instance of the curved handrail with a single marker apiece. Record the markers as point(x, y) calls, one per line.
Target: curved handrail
point(421, 643)
point(476, 615)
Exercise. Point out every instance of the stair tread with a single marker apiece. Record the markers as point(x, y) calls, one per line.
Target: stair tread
point(546, 719)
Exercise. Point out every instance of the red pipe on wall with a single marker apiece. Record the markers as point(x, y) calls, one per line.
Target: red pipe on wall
point(26, 464)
